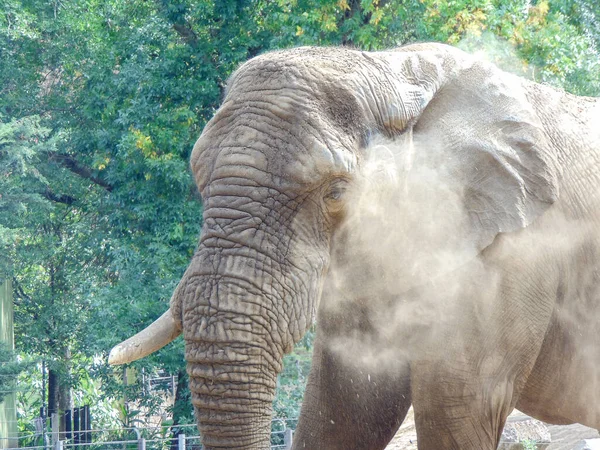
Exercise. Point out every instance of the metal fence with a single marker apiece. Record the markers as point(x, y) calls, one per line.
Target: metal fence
point(179, 437)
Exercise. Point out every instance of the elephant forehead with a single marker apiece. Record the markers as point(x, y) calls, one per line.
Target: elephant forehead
point(257, 144)
point(307, 66)
point(290, 169)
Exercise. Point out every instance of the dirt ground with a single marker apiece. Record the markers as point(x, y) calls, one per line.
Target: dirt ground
point(406, 437)
point(564, 437)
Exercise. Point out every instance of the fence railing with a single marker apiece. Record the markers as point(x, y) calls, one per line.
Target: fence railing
point(173, 437)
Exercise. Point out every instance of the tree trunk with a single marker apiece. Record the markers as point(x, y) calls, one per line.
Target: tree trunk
point(59, 390)
point(65, 402)
point(53, 392)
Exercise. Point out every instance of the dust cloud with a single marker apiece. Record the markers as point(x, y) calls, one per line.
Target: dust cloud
point(406, 249)
point(405, 255)
point(488, 47)
point(402, 251)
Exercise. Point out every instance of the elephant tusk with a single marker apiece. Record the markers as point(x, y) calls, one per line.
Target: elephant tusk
point(154, 337)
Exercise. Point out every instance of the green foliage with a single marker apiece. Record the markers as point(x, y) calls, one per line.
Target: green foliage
point(291, 382)
point(22, 185)
point(10, 368)
point(529, 444)
point(555, 41)
point(29, 402)
point(290, 387)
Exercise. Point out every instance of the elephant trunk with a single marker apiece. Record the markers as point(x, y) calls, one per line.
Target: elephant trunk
point(234, 351)
point(232, 401)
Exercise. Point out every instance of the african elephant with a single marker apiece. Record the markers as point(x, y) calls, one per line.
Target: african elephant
point(509, 318)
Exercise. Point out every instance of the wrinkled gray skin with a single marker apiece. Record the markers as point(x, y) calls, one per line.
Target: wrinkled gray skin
point(273, 166)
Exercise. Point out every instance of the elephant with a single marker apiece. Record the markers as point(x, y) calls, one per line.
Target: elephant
point(487, 300)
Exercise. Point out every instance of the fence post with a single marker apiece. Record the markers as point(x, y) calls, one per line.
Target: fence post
point(141, 444)
point(288, 436)
point(59, 445)
point(181, 441)
point(54, 423)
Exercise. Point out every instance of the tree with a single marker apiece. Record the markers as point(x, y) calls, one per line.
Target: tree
point(45, 237)
point(65, 276)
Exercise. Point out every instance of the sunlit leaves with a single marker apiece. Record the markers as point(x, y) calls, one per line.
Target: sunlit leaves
point(554, 40)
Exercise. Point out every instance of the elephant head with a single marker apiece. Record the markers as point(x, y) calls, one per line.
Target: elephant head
point(273, 167)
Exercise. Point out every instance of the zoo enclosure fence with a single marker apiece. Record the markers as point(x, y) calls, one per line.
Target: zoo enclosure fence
point(172, 437)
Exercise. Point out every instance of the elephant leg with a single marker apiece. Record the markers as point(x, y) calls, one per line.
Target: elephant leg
point(469, 379)
point(351, 404)
point(564, 386)
point(459, 412)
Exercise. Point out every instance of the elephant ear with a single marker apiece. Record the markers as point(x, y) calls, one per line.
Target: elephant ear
point(473, 125)
point(454, 155)
point(481, 130)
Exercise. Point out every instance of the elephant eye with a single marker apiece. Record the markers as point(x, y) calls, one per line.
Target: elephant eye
point(336, 192)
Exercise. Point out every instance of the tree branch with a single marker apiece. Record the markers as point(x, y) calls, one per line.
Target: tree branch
point(187, 34)
point(84, 172)
point(19, 290)
point(58, 198)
